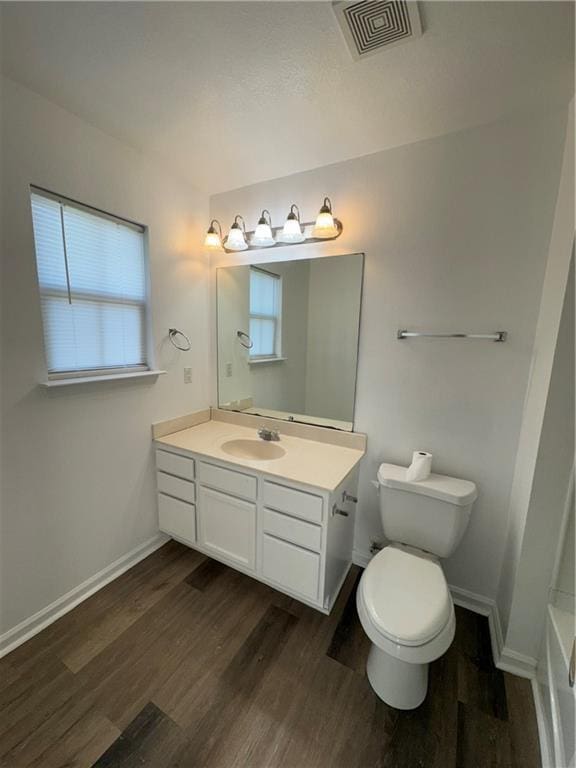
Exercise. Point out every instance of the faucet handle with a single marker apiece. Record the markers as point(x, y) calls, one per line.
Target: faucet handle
point(268, 434)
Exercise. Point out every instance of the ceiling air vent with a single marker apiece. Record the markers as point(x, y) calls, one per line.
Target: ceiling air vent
point(371, 25)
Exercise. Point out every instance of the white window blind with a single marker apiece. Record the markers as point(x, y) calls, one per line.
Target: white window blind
point(93, 277)
point(265, 309)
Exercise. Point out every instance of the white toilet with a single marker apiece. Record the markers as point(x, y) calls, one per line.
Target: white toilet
point(403, 599)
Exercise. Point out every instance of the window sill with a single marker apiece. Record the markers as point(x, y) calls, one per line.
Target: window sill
point(92, 379)
point(267, 360)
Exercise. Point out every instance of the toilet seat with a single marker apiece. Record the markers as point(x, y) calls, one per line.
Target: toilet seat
point(405, 606)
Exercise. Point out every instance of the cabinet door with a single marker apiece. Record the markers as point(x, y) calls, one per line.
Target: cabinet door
point(176, 517)
point(227, 527)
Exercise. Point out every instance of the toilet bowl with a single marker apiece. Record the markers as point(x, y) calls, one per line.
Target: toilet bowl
point(407, 612)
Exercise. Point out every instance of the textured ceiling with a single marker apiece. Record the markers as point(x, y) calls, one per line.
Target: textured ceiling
point(234, 93)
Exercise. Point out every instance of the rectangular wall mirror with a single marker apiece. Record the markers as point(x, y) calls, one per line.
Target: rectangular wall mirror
point(288, 339)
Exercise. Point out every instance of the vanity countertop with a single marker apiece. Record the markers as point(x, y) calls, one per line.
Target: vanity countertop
point(321, 465)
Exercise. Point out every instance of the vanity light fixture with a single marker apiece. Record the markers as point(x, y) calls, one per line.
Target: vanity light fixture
point(262, 237)
point(325, 227)
point(292, 232)
point(236, 240)
point(213, 239)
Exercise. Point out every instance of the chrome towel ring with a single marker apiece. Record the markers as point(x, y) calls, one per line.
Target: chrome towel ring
point(173, 334)
point(245, 340)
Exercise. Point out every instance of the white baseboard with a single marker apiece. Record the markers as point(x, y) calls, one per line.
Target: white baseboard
point(361, 558)
point(48, 615)
point(485, 606)
point(517, 663)
point(472, 601)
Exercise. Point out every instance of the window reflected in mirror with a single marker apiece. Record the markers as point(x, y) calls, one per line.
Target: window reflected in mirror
point(265, 315)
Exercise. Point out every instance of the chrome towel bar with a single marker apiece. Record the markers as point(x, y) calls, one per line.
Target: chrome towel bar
point(496, 336)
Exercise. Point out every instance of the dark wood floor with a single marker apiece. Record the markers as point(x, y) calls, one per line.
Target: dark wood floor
point(184, 663)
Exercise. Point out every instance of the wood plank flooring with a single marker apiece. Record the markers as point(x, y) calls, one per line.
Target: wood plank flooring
point(185, 663)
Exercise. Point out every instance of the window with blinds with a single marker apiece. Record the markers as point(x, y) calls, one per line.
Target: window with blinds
point(265, 314)
point(93, 277)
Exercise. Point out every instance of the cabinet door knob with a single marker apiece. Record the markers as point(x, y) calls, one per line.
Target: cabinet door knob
point(337, 511)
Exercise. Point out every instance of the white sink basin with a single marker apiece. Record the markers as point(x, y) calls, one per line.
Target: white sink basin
point(257, 450)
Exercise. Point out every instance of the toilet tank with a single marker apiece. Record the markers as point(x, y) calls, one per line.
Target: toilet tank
point(430, 514)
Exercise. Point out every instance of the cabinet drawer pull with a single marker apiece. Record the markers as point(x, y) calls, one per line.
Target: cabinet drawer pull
point(337, 511)
point(349, 497)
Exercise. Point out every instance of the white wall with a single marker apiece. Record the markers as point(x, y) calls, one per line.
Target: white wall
point(455, 232)
point(78, 481)
point(548, 498)
point(534, 407)
point(332, 342)
point(233, 310)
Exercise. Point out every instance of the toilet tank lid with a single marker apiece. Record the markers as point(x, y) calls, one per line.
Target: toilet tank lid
point(450, 489)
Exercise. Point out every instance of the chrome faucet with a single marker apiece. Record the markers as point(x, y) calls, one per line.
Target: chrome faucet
point(268, 434)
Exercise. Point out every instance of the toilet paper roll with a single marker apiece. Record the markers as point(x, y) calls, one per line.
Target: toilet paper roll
point(420, 467)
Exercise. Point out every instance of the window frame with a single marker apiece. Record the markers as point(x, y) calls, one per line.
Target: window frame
point(277, 318)
point(110, 372)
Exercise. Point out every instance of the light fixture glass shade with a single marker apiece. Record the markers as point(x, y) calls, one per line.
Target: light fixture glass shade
point(291, 232)
point(212, 240)
point(325, 226)
point(262, 236)
point(236, 240)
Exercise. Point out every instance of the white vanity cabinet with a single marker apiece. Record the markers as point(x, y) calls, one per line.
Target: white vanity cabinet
point(295, 537)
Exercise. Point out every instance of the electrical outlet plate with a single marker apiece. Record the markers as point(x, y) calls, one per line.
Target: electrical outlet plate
point(187, 375)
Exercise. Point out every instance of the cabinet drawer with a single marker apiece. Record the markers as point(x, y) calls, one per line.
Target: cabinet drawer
point(291, 567)
point(175, 486)
point(297, 503)
point(227, 526)
point(227, 480)
point(181, 466)
point(291, 529)
point(177, 518)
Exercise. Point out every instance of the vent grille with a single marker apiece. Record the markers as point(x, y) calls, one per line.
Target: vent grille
point(370, 25)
